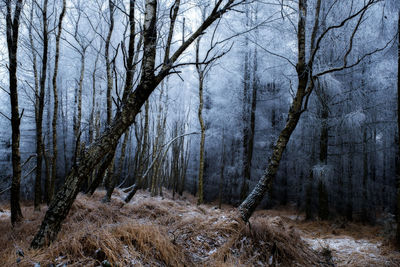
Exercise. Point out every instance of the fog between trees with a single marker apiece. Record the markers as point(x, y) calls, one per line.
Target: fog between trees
point(244, 102)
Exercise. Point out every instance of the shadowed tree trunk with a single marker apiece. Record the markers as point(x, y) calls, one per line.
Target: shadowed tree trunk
point(398, 138)
point(222, 170)
point(130, 70)
point(55, 108)
point(40, 107)
point(200, 195)
point(12, 24)
point(78, 107)
point(245, 114)
point(92, 156)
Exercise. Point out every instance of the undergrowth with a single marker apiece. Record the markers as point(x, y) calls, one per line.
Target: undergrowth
point(155, 232)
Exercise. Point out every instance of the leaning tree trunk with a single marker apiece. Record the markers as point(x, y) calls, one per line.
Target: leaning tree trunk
point(12, 46)
point(305, 86)
point(251, 202)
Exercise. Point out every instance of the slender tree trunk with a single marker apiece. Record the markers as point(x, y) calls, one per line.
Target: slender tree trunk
point(245, 116)
point(65, 133)
point(364, 211)
point(200, 193)
point(108, 62)
point(251, 132)
point(323, 204)
point(40, 105)
point(92, 120)
point(222, 170)
point(349, 207)
point(78, 99)
point(398, 138)
point(123, 154)
point(55, 108)
point(12, 46)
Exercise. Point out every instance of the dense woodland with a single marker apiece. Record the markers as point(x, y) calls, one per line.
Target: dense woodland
point(244, 102)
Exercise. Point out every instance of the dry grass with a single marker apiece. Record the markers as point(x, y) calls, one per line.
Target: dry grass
point(155, 232)
point(347, 243)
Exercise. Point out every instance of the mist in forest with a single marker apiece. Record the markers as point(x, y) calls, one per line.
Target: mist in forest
point(169, 115)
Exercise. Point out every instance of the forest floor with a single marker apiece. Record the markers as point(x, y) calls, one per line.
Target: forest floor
point(346, 243)
point(162, 231)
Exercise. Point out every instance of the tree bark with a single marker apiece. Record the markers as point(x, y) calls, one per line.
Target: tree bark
point(398, 137)
point(130, 70)
point(249, 205)
point(40, 106)
point(200, 193)
point(222, 170)
point(55, 108)
point(78, 99)
point(12, 47)
point(108, 62)
point(245, 114)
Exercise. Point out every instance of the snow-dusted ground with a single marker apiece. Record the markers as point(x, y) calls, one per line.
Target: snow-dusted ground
point(4, 214)
point(347, 251)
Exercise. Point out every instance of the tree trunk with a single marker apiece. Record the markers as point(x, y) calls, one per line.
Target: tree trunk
point(55, 108)
point(200, 193)
point(12, 47)
point(245, 115)
point(100, 173)
point(78, 103)
point(222, 170)
point(108, 63)
point(364, 209)
point(248, 206)
point(62, 202)
point(398, 138)
point(40, 106)
point(323, 204)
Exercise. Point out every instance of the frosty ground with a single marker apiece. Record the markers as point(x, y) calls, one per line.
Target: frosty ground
point(163, 231)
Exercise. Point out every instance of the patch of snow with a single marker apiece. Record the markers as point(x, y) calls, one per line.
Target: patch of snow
point(212, 251)
point(5, 214)
point(346, 248)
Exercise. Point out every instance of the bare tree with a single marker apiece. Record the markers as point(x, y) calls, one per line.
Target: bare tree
point(12, 24)
point(55, 108)
point(306, 79)
point(40, 107)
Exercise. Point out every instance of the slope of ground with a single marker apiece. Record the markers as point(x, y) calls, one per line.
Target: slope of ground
point(154, 232)
point(165, 232)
